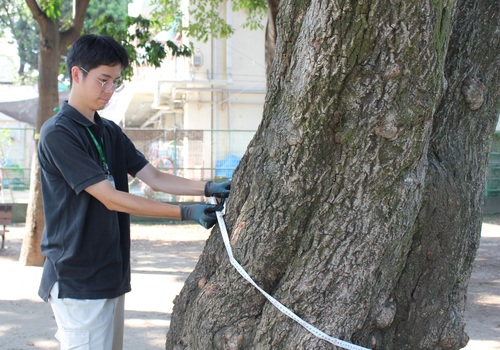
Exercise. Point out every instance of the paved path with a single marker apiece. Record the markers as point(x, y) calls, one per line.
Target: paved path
point(162, 258)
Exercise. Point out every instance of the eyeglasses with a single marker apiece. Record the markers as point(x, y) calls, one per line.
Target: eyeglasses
point(117, 86)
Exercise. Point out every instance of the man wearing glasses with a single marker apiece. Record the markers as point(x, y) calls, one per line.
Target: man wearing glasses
point(85, 161)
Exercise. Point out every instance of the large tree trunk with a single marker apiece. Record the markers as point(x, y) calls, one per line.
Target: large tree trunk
point(358, 202)
point(53, 42)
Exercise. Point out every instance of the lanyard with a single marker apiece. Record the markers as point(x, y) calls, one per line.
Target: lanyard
point(101, 153)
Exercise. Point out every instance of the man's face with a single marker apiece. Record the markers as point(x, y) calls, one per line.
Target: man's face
point(99, 84)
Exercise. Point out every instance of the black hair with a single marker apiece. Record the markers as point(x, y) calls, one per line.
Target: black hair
point(91, 50)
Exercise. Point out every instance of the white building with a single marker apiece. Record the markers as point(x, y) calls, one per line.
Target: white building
point(222, 86)
point(9, 61)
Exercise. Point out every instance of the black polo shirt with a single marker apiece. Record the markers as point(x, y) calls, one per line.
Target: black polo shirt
point(87, 246)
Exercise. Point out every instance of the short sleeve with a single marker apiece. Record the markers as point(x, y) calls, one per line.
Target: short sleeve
point(63, 154)
point(135, 159)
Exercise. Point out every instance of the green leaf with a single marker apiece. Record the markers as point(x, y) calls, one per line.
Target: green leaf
point(52, 8)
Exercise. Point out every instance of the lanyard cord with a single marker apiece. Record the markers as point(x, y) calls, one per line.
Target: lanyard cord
point(99, 149)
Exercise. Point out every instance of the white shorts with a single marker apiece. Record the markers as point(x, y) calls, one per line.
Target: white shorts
point(88, 324)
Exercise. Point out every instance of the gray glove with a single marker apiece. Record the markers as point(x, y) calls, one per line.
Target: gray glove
point(219, 190)
point(204, 214)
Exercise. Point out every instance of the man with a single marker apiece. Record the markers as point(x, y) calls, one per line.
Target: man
point(84, 163)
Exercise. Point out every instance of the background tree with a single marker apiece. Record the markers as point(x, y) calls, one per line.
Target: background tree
point(53, 42)
point(270, 42)
point(358, 202)
point(17, 20)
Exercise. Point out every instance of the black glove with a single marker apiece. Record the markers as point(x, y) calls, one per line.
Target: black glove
point(204, 214)
point(219, 190)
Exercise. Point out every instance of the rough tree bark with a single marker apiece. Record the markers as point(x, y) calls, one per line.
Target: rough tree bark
point(53, 43)
point(432, 288)
point(270, 38)
point(358, 202)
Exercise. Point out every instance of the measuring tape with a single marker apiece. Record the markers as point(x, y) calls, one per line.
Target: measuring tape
point(276, 303)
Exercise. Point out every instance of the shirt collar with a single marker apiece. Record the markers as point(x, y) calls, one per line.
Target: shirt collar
point(72, 113)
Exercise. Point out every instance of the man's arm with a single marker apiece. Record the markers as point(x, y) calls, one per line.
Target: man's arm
point(160, 181)
point(131, 204)
point(204, 214)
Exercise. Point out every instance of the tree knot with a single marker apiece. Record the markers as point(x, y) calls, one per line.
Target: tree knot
point(386, 314)
point(388, 130)
point(473, 92)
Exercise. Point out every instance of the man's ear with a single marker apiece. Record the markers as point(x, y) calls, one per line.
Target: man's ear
point(75, 74)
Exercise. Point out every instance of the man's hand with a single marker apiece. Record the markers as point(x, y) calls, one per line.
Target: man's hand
point(204, 214)
point(219, 190)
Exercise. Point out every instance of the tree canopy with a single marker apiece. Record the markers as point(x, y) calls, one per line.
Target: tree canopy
point(17, 22)
point(205, 18)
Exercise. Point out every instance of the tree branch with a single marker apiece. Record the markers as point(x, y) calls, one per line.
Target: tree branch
point(70, 35)
point(37, 12)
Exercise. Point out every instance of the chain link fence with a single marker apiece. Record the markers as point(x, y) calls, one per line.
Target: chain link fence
point(193, 154)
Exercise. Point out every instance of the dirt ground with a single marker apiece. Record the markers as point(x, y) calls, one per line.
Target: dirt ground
point(162, 258)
